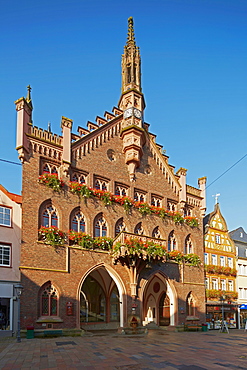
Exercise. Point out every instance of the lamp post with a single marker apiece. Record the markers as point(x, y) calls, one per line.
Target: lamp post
point(222, 298)
point(18, 290)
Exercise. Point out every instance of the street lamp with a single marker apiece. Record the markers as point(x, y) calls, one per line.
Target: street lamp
point(223, 326)
point(18, 290)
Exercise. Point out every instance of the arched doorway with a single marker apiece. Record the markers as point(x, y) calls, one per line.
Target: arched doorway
point(164, 310)
point(101, 299)
point(158, 301)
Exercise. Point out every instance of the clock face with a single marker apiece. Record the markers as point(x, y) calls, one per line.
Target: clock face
point(128, 113)
point(137, 113)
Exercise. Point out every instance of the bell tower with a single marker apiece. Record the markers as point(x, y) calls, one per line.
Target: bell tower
point(132, 103)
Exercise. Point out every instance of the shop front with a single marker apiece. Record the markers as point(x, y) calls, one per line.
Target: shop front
point(242, 315)
point(214, 315)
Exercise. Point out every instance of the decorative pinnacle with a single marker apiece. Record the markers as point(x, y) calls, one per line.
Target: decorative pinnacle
point(28, 98)
point(131, 34)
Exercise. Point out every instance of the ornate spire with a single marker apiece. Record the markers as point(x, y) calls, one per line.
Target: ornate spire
point(131, 34)
point(131, 62)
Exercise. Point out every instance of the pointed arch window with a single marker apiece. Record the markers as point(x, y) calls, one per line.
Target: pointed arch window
point(139, 229)
point(49, 168)
point(188, 246)
point(100, 226)
point(172, 243)
point(49, 216)
point(78, 223)
point(156, 233)
point(120, 226)
point(80, 178)
point(49, 301)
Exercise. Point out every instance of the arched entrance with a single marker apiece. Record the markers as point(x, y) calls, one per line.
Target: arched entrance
point(164, 310)
point(158, 301)
point(101, 298)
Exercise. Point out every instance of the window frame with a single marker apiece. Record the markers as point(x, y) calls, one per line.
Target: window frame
point(9, 246)
point(10, 216)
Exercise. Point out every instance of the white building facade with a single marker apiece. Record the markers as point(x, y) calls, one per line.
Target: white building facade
point(10, 241)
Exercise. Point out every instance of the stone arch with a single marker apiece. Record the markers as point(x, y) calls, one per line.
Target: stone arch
point(166, 286)
point(191, 304)
point(114, 276)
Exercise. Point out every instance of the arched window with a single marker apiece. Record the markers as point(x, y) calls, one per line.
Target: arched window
point(49, 168)
point(49, 216)
point(78, 222)
point(120, 226)
point(49, 301)
point(78, 178)
point(139, 229)
point(190, 305)
point(172, 244)
point(188, 246)
point(156, 233)
point(100, 226)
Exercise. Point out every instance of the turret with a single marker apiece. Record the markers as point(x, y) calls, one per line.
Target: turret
point(24, 109)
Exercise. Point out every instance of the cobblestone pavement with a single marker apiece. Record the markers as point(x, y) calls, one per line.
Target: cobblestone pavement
point(157, 350)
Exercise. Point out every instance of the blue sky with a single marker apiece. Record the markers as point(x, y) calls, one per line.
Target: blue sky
point(194, 58)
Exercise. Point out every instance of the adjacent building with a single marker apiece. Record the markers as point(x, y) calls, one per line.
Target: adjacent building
point(239, 237)
point(112, 236)
point(220, 271)
point(10, 242)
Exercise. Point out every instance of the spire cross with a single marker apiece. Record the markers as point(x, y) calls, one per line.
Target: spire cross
point(216, 197)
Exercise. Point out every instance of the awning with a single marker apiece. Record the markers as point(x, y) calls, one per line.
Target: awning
point(243, 307)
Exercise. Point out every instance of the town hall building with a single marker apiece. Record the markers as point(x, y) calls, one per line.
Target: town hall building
point(112, 235)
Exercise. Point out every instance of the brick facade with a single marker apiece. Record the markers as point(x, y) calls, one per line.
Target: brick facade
point(119, 151)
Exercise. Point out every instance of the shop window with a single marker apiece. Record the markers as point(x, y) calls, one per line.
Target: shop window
point(172, 243)
point(49, 301)
point(120, 226)
point(5, 255)
point(100, 226)
point(78, 223)
point(5, 216)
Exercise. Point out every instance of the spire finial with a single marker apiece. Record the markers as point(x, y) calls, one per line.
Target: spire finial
point(28, 98)
point(131, 34)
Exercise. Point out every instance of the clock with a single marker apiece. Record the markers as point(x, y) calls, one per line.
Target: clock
point(137, 113)
point(128, 113)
